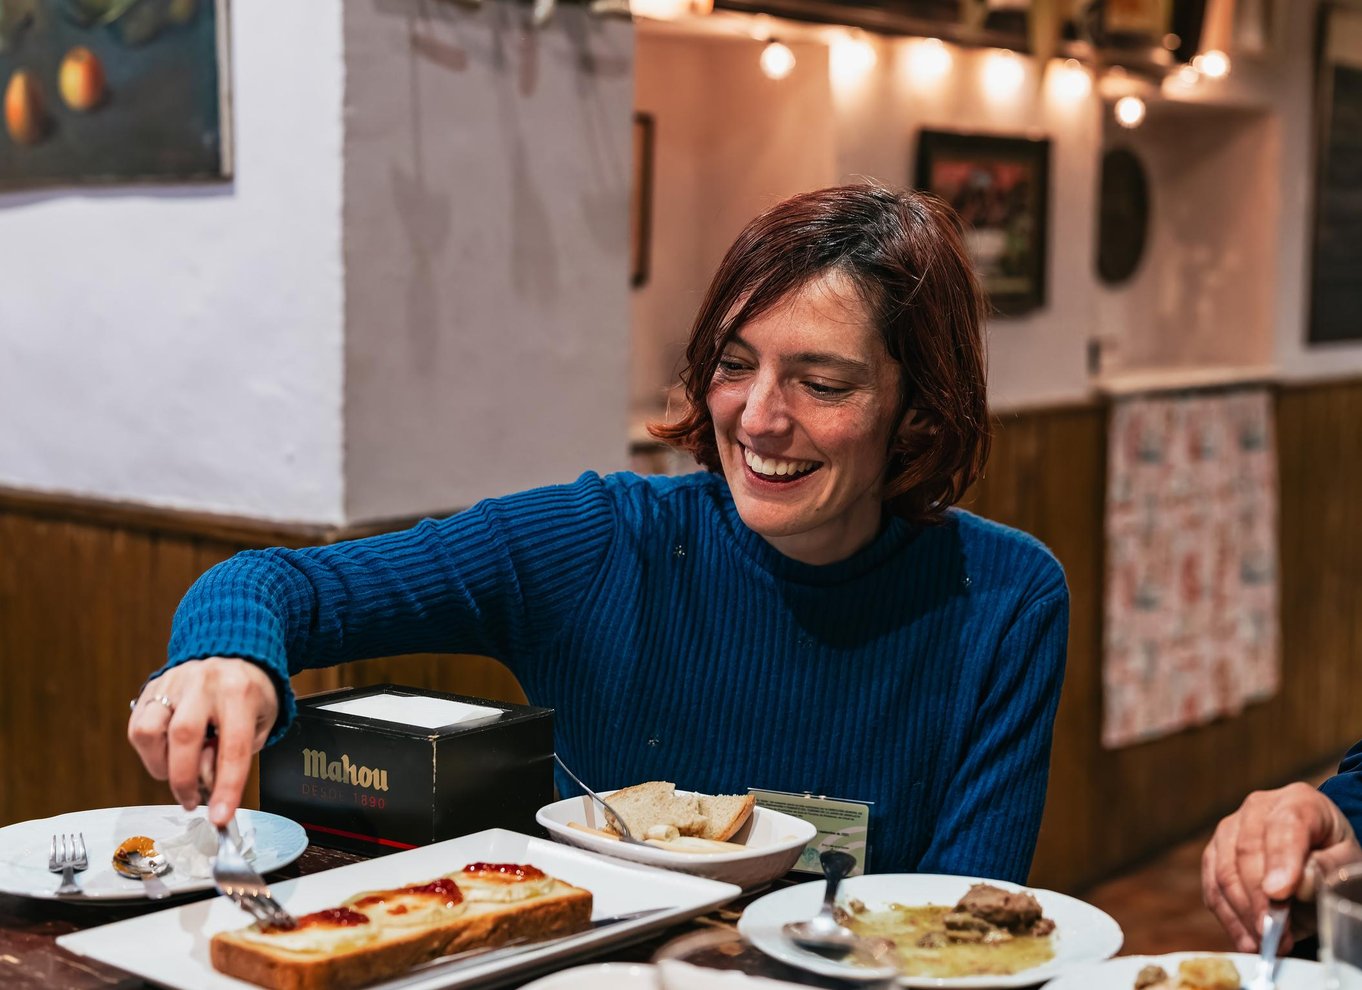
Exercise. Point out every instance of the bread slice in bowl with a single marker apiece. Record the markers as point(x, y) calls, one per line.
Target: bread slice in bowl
point(653, 809)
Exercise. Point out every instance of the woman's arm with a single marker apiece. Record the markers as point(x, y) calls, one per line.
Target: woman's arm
point(496, 579)
point(991, 812)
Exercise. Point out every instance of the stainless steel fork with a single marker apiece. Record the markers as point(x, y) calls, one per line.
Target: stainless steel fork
point(236, 879)
point(615, 817)
point(68, 857)
point(1274, 923)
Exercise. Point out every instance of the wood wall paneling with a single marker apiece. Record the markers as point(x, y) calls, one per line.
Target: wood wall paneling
point(1109, 808)
point(87, 591)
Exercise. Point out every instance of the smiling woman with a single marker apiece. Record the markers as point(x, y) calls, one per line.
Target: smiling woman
point(873, 299)
point(810, 614)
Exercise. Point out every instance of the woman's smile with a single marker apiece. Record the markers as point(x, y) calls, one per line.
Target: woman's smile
point(778, 470)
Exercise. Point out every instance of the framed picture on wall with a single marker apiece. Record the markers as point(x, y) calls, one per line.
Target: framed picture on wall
point(103, 92)
point(1000, 187)
point(1147, 19)
point(641, 200)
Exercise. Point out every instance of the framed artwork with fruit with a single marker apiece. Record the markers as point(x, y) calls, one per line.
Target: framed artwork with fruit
point(111, 91)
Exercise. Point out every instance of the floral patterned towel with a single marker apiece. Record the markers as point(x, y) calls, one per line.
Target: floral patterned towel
point(1191, 626)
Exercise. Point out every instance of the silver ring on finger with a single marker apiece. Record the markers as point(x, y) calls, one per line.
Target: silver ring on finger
point(169, 705)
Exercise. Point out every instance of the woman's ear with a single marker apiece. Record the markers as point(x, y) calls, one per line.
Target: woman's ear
point(910, 419)
point(915, 425)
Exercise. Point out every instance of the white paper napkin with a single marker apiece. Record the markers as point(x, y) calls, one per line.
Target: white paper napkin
point(191, 848)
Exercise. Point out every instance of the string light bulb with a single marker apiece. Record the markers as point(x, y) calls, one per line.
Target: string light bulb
point(1070, 81)
point(659, 10)
point(1213, 64)
point(777, 61)
point(1003, 74)
point(850, 57)
point(929, 60)
point(1130, 111)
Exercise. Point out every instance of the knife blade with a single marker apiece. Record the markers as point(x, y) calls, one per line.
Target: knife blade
point(486, 954)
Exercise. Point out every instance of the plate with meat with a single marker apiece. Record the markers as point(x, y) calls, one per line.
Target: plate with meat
point(948, 931)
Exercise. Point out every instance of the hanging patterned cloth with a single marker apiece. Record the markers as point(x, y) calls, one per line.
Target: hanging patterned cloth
point(1191, 622)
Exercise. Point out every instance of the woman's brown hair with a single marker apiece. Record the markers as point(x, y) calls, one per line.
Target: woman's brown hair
point(905, 254)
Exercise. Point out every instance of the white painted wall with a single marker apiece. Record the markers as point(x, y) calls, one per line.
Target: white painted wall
point(730, 143)
point(1206, 290)
point(486, 251)
point(1040, 357)
point(182, 345)
point(412, 294)
point(1226, 277)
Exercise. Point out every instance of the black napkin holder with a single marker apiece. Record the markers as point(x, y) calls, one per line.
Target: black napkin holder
point(376, 786)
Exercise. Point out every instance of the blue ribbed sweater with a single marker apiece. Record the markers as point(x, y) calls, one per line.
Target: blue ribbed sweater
point(920, 674)
point(1345, 787)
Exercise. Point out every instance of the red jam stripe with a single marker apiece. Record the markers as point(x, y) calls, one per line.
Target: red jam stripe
point(517, 870)
point(443, 887)
point(340, 917)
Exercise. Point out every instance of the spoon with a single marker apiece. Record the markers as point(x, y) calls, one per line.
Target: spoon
point(825, 935)
point(138, 859)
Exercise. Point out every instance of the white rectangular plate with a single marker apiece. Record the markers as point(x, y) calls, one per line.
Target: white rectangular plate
point(170, 948)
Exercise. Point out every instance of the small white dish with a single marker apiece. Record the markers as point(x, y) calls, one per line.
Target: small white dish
point(276, 842)
point(1119, 973)
point(1083, 933)
point(600, 976)
point(773, 842)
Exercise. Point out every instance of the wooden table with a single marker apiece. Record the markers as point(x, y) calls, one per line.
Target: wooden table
point(30, 958)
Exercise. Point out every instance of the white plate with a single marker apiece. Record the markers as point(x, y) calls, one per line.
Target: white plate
point(24, 848)
point(180, 935)
point(1083, 934)
point(773, 839)
point(600, 976)
point(1119, 974)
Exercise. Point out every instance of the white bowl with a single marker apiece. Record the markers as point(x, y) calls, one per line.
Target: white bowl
point(774, 841)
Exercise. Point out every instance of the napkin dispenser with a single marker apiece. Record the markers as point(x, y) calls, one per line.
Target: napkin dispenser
point(384, 768)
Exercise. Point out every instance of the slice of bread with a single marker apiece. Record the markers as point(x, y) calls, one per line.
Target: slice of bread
point(656, 804)
point(725, 814)
point(401, 928)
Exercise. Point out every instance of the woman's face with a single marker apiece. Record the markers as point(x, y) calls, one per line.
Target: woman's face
point(804, 402)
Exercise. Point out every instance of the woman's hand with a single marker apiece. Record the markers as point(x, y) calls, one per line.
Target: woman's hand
point(1260, 852)
point(170, 721)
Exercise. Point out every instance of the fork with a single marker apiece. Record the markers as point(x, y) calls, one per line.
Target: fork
point(625, 834)
point(69, 857)
point(232, 875)
point(236, 879)
point(1274, 923)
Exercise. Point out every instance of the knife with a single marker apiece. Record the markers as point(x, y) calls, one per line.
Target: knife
point(472, 957)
